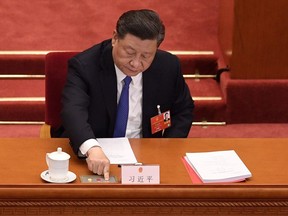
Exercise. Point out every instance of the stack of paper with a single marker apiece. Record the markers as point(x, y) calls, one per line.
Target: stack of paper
point(118, 150)
point(216, 167)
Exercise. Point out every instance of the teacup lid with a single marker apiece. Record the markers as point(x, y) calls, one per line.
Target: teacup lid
point(59, 155)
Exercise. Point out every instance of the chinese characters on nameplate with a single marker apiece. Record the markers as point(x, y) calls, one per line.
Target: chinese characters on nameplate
point(140, 174)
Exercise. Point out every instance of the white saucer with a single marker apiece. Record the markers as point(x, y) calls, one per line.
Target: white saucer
point(70, 177)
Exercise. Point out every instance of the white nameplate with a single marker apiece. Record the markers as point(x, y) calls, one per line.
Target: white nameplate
point(140, 174)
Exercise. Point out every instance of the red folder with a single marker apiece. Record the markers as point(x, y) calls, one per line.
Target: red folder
point(193, 175)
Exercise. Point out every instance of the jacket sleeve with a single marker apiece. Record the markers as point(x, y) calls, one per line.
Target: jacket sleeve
point(182, 109)
point(75, 102)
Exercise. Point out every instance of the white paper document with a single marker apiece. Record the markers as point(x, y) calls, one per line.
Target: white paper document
point(118, 150)
point(218, 166)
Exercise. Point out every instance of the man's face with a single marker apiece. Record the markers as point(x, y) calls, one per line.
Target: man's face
point(133, 55)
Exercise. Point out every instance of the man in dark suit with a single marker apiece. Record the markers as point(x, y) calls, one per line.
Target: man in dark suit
point(95, 81)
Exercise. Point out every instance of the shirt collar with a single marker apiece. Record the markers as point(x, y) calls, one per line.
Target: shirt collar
point(120, 76)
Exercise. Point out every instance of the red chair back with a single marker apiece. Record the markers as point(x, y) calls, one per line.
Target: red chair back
point(55, 71)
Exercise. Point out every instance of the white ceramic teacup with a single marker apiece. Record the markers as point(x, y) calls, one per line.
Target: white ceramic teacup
point(58, 165)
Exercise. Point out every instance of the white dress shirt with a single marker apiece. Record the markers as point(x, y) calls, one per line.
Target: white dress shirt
point(134, 124)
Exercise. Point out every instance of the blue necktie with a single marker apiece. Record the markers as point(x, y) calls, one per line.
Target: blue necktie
point(122, 110)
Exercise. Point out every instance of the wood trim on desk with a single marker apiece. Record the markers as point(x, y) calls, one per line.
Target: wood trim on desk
point(147, 200)
point(140, 192)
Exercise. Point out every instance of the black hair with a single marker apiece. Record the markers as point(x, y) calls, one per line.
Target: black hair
point(144, 23)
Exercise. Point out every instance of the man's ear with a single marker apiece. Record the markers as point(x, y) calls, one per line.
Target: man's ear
point(114, 37)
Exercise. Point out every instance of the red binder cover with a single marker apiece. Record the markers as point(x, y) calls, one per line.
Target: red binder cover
point(193, 175)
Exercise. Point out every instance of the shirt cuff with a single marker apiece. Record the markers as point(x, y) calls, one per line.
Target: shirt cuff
point(87, 145)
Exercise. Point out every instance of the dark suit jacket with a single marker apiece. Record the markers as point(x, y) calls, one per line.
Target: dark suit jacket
point(90, 96)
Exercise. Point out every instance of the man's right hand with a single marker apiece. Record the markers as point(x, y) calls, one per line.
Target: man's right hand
point(97, 162)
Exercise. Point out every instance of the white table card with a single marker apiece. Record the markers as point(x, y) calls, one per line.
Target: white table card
point(140, 174)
